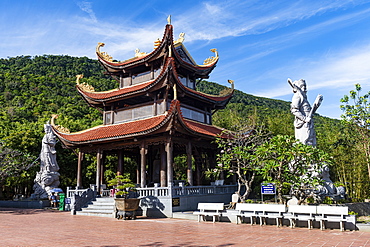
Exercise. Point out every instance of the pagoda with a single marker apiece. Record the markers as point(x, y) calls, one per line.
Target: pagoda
point(154, 115)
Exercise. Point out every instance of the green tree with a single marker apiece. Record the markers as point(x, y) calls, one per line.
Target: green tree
point(357, 112)
point(288, 163)
point(12, 162)
point(237, 156)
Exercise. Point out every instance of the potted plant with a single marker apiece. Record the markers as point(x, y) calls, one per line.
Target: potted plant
point(125, 207)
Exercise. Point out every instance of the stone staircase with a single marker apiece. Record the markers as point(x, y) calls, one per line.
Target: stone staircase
point(102, 207)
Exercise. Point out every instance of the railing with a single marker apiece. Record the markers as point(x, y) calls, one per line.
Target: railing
point(186, 190)
point(203, 190)
point(153, 191)
point(79, 198)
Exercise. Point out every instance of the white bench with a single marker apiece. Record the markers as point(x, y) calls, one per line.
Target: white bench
point(332, 214)
point(209, 209)
point(250, 210)
point(301, 213)
point(273, 211)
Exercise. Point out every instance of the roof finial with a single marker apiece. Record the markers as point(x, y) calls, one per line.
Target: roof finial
point(181, 38)
point(169, 20)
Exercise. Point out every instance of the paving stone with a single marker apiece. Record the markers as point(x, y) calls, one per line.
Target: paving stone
point(38, 227)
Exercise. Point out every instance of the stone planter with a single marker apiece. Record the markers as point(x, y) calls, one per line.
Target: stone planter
point(126, 208)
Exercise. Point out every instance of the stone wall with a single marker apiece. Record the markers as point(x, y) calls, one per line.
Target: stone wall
point(25, 204)
point(362, 208)
point(152, 206)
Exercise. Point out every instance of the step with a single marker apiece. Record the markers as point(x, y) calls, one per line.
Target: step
point(101, 207)
point(98, 214)
point(188, 215)
point(105, 207)
point(97, 210)
point(94, 208)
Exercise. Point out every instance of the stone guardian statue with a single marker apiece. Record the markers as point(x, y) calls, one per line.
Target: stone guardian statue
point(305, 132)
point(48, 177)
point(303, 112)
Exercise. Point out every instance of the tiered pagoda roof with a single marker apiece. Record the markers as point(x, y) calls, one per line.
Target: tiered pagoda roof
point(166, 47)
point(173, 59)
point(97, 98)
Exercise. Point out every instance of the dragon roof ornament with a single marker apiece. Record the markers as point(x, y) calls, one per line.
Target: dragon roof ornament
point(58, 127)
point(211, 59)
point(138, 53)
point(84, 86)
point(227, 91)
point(103, 55)
point(181, 38)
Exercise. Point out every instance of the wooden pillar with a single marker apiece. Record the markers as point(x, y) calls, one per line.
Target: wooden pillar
point(190, 165)
point(79, 169)
point(169, 150)
point(102, 168)
point(163, 177)
point(120, 161)
point(143, 151)
point(98, 170)
point(137, 158)
point(198, 166)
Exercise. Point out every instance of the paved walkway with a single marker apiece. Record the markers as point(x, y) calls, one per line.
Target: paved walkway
point(36, 227)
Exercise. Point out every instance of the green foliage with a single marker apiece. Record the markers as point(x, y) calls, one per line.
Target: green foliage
point(328, 200)
point(283, 160)
point(310, 199)
point(214, 173)
point(13, 162)
point(237, 155)
point(33, 88)
point(356, 111)
point(274, 115)
point(180, 167)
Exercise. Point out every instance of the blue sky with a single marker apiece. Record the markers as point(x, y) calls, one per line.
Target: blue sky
point(260, 43)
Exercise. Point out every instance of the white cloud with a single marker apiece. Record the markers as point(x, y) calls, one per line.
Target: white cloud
point(238, 18)
point(339, 71)
point(212, 9)
point(87, 7)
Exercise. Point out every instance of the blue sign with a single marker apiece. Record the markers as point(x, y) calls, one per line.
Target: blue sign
point(67, 200)
point(268, 189)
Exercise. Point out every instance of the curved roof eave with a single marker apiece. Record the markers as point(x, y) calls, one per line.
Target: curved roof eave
point(99, 97)
point(167, 37)
point(200, 70)
point(218, 99)
point(107, 133)
point(200, 129)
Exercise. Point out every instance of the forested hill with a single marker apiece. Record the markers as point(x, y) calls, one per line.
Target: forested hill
point(33, 88)
point(244, 98)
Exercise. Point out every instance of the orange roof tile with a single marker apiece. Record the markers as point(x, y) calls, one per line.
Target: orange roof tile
point(106, 132)
point(116, 92)
point(138, 127)
point(116, 131)
point(205, 129)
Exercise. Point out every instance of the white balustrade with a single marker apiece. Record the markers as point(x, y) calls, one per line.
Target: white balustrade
point(164, 191)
